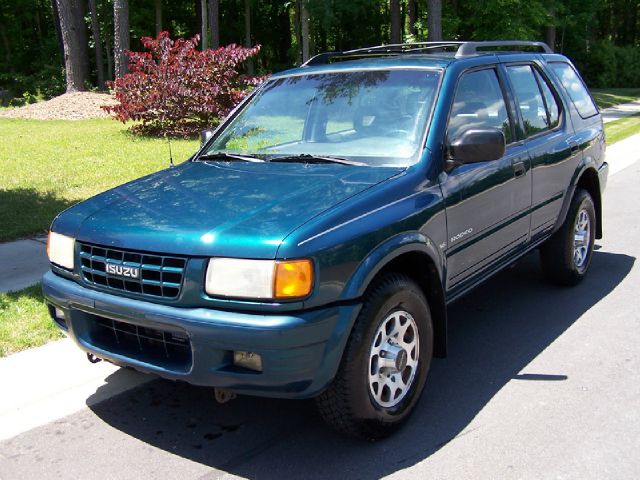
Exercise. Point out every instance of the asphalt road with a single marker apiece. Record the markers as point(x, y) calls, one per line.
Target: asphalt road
point(540, 382)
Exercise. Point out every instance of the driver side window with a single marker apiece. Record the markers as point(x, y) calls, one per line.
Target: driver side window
point(479, 103)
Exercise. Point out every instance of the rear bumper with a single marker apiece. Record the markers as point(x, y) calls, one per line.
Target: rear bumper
point(300, 352)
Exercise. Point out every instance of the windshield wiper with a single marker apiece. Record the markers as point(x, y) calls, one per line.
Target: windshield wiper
point(308, 158)
point(229, 156)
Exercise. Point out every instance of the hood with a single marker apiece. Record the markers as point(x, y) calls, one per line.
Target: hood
point(216, 208)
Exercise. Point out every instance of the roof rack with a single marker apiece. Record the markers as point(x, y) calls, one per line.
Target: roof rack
point(463, 49)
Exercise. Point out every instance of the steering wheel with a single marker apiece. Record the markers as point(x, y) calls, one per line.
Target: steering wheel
point(396, 132)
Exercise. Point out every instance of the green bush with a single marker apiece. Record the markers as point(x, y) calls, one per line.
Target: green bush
point(606, 65)
point(48, 82)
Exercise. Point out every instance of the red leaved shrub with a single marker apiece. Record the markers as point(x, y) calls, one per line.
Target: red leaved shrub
point(175, 89)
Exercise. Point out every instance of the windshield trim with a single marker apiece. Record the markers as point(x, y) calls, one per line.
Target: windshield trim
point(238, 109)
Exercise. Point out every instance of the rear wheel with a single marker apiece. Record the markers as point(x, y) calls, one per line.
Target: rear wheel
point(385, 363)
point(566, 256)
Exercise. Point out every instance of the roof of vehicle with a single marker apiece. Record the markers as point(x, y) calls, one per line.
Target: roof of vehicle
point(367, 63)
point(409, 55)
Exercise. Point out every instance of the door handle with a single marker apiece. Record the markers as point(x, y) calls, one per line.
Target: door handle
point(519, 169)
point(575, 148)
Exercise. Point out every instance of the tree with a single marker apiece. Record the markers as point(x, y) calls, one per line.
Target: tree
point(434, 20)
point(550, 28)
point(95, 29)
point(247, 34)
point(396, 34)
point(158, 10)
point(303, 13)
point(413, 17)
point(120, 36)
point(173, 88)
point(203, 26)
point(74, 40)
point(56, 24)
point(214, 23)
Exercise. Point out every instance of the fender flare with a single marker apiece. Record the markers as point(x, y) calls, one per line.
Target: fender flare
point(384, 253)
point(431, 283)
point(583, 167)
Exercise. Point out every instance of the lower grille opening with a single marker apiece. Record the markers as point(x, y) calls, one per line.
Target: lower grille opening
point(168, 349)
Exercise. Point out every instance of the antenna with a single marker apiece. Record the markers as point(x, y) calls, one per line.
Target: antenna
point(170, 155)
point(168, 137)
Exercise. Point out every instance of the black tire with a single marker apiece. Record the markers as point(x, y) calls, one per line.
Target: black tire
point(557, 257)
point(348, 404)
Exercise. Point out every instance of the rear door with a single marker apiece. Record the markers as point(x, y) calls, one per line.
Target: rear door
point(487, 203)
point(549, 139)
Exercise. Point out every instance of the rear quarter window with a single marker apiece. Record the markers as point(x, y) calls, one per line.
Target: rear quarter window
point(575, 88)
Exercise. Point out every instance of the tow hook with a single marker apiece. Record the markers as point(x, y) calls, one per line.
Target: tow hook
point(92, 358)
point(223, 395)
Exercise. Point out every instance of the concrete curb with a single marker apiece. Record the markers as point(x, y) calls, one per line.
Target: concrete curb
point(45, 383)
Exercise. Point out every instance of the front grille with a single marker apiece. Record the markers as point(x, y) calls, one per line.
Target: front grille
point(169, 349)
point(160, 276)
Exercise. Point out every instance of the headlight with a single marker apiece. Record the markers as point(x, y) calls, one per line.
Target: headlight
point(60, 250)
point(260, 279)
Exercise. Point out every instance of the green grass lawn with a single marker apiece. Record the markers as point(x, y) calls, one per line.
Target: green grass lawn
point(622, 128)
point(24, 321)
point(609, 97)
point(47, 166)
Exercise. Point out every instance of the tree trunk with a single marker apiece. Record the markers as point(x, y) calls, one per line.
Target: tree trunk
point(107, 46)
point(158, 8)
point(413, 18)
point(434, 20)
point(396, 35)
point(550, 30)
point(95, 29)
point(75, 44)
point(7, 47)
point(247, 34)
point(304, 29)
point(204, 33)
point(56, 24)
point(550, 36)
point(38, 27)
point(284, 38)
point(120, 36)
point(214, 22)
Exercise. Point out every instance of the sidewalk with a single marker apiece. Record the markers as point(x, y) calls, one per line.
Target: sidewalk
point(23, 263)
point(620, 111)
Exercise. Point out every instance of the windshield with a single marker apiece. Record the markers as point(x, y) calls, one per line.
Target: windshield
point(371, 117)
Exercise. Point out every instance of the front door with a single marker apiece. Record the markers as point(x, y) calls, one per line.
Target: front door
point(487, 203)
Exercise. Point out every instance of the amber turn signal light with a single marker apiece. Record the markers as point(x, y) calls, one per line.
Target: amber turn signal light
point(293, 278)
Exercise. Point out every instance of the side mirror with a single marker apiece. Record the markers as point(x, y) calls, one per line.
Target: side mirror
point(205, 135)
point(476, 145)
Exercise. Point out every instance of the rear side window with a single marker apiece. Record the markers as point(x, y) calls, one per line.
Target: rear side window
point(550, 100)
point(529, 99)
point(479, 103)
point(576, 89)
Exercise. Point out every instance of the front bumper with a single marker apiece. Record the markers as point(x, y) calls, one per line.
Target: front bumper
point(300, 352)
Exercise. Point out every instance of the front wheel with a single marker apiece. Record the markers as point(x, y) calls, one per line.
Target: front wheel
point(566, 256)
point(385, 363)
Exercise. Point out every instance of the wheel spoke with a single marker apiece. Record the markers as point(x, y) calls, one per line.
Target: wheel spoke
point(393, 358)
point(581, 239)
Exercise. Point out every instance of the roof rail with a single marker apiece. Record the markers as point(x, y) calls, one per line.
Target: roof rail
point(471, 48)
point(463, 49)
